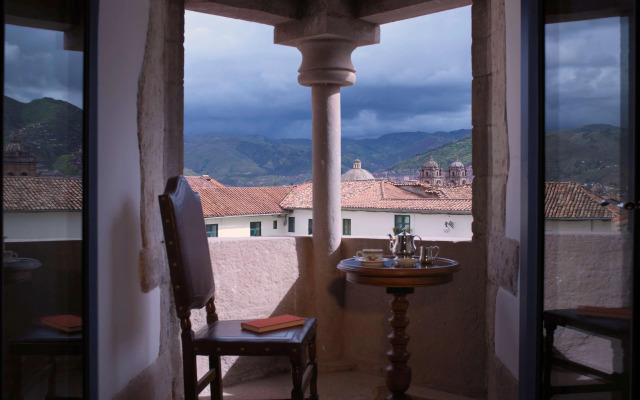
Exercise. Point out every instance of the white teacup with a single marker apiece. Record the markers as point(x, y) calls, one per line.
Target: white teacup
point(370, 254)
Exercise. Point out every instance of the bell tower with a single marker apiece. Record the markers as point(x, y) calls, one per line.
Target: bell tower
point(17, 160)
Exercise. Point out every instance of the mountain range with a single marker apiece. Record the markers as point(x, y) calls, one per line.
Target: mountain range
point(256, 160)
point(51, 129)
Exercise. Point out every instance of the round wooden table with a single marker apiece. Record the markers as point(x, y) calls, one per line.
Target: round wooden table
point(399, 282)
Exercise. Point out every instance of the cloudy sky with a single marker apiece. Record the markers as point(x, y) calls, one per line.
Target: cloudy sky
point(417, 79)
point(37, 66)
point(582, 73)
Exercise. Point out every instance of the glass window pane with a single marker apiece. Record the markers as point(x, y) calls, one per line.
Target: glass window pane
point(346, 227)
point(255, 229)
point(42, 215)
point(587, 249)
point(292, 224)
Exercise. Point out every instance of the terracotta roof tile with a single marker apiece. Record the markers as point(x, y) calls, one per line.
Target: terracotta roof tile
point(28, 193)
point(202, 181)
point(570, 200)
point(441, 192)
point(379, 194)
point(225, 201)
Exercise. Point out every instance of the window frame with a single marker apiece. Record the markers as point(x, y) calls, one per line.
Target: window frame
point(402, 224)
point(214, 233)
point(89, 280)
point(346, 226)
point(255, 228)
point(291, 227)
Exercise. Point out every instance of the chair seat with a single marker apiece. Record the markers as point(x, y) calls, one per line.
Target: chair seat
point(228, 338)
point(46, 341)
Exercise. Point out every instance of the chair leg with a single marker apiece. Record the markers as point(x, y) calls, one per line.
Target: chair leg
point(51, 390)
point(15, 389)
point(550, 328)
point(297, 374)
point(313, 386)
point(216, 384)
point(190, 374)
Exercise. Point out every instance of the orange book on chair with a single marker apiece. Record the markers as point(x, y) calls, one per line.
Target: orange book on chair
point(272, 323)
point(65, 323)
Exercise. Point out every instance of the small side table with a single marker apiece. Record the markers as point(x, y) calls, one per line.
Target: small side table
point(603, 327)
point(400, 282)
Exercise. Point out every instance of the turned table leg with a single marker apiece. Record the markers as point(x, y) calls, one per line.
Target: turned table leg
point(398, 374)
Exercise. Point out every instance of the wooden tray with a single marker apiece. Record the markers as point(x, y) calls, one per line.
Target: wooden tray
point(440, 271)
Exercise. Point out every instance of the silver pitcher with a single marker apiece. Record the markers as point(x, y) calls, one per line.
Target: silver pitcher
point(403, 244)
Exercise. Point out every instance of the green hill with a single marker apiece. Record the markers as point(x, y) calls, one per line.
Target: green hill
point(443, 155)
point(52, 129)
point(589, 154)
point(258, 160)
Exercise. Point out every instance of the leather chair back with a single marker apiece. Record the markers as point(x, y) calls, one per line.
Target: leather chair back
point(187, 246)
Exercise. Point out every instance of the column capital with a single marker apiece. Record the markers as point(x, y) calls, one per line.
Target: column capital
point(326, 62)
point(326, 43)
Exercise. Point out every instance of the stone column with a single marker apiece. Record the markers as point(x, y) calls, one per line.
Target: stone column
point(326, 67)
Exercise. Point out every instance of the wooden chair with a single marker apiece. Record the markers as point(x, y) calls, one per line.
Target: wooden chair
point(193, 288)
point(609, 328)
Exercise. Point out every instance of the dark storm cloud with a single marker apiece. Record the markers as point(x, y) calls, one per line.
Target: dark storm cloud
point(583, 73)
point(238, 82)
point(402, 101)
point(36, 66)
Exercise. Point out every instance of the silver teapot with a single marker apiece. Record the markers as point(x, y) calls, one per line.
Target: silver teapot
point(403, 244)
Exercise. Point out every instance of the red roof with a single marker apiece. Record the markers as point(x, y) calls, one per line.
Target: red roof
point(30, 193)
point(570, 200)
point(226, 201)
point(440, 192)
point(379, 195)
point(202, 181)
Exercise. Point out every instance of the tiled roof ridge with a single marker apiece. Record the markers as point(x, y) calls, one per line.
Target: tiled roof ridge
point(248, 200)
point(35, 193)
point(571, 200)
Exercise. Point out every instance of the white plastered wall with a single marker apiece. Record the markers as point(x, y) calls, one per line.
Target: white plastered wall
point(128, 319)
point(240, 226)
point(507, 305)
point(378, 224)
point(63, 225)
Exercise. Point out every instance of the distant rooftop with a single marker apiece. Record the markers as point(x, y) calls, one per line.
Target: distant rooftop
point(570, 200)
point(202, 181)
point(378, 195)
point(29, 193)
point(229, 201)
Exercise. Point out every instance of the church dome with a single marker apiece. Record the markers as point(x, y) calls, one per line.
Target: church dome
point(357, 173)
point(14, 146)
point(456, 164)
point(431, 164)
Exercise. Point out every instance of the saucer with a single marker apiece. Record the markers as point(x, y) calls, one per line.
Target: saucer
point(377, 263)
point(406, 262)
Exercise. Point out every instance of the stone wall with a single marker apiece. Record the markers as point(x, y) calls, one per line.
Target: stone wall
point(258, 278)
point(491, 169)
point(587, 269)
point(160, 141)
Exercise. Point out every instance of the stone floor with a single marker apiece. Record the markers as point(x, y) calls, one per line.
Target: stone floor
point(340, 385)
